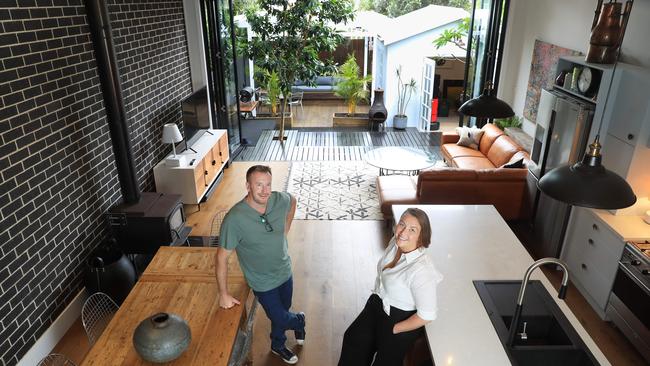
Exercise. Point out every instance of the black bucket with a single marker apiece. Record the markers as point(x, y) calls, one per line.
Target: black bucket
point(108, 270)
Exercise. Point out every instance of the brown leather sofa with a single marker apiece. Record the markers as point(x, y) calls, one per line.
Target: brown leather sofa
point(473, 177)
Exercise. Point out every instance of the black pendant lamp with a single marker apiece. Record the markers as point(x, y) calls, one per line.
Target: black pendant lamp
point(486, 105)
point(588, 184)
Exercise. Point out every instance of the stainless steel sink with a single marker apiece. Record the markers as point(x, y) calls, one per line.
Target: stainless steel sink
point(549, 338)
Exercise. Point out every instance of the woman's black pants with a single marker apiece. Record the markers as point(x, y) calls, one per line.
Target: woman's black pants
point(372, 332)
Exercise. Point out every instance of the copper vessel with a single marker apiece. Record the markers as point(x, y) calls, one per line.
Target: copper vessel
point(607, 32)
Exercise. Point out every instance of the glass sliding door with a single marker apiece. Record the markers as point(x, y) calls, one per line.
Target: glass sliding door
point(222, 70)
point(484, 50)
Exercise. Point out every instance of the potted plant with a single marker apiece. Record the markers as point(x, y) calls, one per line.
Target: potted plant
point(351, 86)
point(404, 93)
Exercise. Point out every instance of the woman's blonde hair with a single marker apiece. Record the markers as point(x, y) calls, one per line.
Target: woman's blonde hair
point(424, 239)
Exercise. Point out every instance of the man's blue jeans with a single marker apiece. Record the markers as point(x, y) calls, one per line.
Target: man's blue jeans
point(276, 303)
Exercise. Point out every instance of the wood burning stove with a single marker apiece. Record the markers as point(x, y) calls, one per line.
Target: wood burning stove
point(155, 220)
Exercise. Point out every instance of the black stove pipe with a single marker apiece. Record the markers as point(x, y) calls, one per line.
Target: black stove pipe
point(100, 28)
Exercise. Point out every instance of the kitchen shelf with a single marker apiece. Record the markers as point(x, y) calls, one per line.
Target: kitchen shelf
point(576, 94)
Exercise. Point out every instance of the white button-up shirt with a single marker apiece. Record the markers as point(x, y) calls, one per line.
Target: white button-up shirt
point(410, 285)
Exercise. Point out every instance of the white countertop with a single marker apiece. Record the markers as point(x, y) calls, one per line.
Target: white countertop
point(628, 228)
point(469, 243)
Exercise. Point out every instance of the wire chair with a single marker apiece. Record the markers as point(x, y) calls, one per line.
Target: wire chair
point(296, 99)
point(56, 359)
point(216, 227)
point(97, 312)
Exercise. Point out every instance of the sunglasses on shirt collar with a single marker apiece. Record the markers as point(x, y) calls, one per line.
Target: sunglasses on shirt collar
point(267, 224)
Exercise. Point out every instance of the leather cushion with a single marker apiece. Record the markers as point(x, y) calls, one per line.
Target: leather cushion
point(449, 138)
point(446, 174)
point(452, 151)
point(489, 136)
point(501, 174)
point(473, 162)
point(502, 150)
point(395, 190)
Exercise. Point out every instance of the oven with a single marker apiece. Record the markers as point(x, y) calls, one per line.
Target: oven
point(629, 302)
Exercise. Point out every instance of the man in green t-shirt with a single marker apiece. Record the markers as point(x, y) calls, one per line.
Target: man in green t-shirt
point(256, 227)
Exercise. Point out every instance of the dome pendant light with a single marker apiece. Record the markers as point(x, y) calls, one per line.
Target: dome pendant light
point(486, 105)
point(588, 184)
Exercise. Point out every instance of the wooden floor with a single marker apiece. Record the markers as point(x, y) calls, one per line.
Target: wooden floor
point(304, 145)
point(334, 269)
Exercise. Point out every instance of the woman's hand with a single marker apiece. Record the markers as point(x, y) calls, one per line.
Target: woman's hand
point(411, 323)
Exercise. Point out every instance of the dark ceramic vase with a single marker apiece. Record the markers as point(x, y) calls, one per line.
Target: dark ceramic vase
point(108, 270)
point(162, 337)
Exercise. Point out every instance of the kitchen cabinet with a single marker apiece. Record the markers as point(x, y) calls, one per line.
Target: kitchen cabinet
point(199, 169)
point(626, 136)
point(592, 250)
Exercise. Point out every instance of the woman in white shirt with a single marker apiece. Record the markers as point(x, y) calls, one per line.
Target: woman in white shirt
point(402, 302)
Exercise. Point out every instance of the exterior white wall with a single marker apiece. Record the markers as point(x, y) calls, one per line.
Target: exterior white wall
point(566, 24)
point(409, 53)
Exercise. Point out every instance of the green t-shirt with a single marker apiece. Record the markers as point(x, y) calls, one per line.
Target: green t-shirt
point(263, 254)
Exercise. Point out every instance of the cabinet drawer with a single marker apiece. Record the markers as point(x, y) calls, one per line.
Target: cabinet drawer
point(199, 183)
point(592, 252)
point(199, 169)
point(223, 148)
point(594, 237)
point(588, 275)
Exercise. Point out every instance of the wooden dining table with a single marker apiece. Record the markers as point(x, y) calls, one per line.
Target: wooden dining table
point(179, 280)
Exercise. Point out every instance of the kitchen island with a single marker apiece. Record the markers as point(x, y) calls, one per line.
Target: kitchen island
point(473, 242)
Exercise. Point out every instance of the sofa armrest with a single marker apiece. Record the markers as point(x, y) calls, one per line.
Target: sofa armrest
point(449, 138)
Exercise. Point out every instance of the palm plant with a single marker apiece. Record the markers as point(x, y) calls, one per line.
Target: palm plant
point(350, 86)
point(273, 91)
point(404, 92)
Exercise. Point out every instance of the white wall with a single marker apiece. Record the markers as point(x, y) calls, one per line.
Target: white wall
point(409, 53)
point(566, 24)
point(192, 12)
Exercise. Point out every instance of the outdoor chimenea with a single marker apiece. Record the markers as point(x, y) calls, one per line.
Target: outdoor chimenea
point(378, 112)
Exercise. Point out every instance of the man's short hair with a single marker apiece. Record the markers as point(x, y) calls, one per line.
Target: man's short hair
point(257, 169)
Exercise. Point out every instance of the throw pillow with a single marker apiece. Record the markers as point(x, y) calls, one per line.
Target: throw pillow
point(466, 140)
point(517, 164)
point(469, 137)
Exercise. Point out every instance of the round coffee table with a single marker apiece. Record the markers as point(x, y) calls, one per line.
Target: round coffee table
point(399, 160)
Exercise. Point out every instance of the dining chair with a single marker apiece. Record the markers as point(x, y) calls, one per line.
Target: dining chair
point(296, 99)
point(97, 312)
point(56, 359)
point(216, 228)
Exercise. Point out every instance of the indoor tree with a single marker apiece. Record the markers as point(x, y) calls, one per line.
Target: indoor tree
point(456, 36)
point(289, 35)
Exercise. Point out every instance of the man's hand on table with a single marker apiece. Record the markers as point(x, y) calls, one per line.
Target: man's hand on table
point(226, 301)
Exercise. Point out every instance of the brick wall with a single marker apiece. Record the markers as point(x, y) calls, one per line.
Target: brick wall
point(56, 161)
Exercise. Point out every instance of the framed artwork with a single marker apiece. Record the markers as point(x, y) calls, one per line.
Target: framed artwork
point(542, 74)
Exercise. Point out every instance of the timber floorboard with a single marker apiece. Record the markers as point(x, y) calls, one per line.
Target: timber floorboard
point(334, 269)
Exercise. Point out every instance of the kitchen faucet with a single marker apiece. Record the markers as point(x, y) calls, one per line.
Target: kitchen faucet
point(514, 325)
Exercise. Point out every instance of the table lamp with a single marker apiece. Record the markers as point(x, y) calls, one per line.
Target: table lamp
point(171, 135)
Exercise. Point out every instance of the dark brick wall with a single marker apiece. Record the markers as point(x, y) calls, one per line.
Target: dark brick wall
point(152, 54)
point(56, 161)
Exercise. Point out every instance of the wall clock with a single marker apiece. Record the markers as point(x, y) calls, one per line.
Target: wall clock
point(586, 81)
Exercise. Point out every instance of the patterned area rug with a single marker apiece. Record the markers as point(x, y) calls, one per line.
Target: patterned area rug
point(341, 190)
